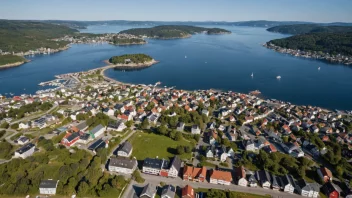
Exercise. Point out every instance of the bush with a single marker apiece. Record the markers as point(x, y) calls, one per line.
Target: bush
point(5, 125)
point(136, 175)
point(2, 133)
point(14, 126)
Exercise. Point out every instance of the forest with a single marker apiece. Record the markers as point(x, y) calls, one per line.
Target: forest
point(171, 31)
point(332, 43)
point(9, 59)
point(309, 28)
point(134, 58)
point(127, 41)
point(21, 36)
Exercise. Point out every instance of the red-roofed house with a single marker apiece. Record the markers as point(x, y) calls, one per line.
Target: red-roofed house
point(220, 177)
point(325, 174)
point(194, 174)
point(188, 192)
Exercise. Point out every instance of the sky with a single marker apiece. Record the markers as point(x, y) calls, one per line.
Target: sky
point(179, 10)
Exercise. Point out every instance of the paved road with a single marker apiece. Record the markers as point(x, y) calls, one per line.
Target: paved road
point(8, 138)
point(179, 182)
point(122, 141)
point(34, 116)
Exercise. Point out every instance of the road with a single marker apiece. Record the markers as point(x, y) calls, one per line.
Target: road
point(34, 116)
point(8, 138)
point(179, 182)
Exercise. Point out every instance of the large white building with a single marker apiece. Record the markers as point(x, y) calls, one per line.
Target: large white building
point(25, 151)
point(125, 150)
point(122, 165)
point(48, 187)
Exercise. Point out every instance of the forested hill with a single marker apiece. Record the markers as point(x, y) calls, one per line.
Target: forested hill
point(172, 31)
point(332, 43)
point(18, 36)
point(309, 28)
point(133, 59)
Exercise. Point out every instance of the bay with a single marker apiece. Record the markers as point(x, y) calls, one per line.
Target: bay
point(223, 62)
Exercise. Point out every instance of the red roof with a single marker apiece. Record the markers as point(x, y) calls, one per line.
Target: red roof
point(187, 192)
point(221, 175)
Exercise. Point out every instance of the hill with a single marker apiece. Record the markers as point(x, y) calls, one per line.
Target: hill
point(11, 59)
point(309, 28)
point(172, 31)
point(332, 43)
point(22, 36)
point(131, 59)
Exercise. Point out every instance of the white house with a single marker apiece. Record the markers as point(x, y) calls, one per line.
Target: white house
point(25, 151)
point(125, 150)
point(175, 167)
point(220, 177)
point(23, 126)
point(22, 140)
point(48, 187)
point(116, 126)
point(122, 165)
point(241, 176)
point(97, 131)
point(195, 129)
point(288, 183)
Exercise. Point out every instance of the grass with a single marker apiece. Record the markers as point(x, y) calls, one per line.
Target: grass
point(152, 145)
point(235, 194)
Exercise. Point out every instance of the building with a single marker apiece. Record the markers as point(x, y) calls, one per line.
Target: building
point(220, 177)
point(175, 167)
point(97, 131)
point(155, 166)
point(249, 145)
point(168, 191)
point(149, 191)
point(98, 144)
point(25, 151)
point(252, 181)
point(325, 174)
point(288, 183)
point(241, 176)
point(275, 182)
point(307, 189)
point(70, 139)
point(116, 126)
point(122, 165)
point(195, 129)
point(188, 192)
point(48, 187)
point(180, 126)
point(194, 174)
point(22, 140)
point(264, 178)
point(331, 190)
point(125, 150)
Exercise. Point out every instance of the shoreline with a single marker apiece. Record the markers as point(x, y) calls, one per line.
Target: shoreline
point(16, 64)
point(132, 65)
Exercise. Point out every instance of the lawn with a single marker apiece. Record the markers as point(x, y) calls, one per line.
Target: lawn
point(152, 145)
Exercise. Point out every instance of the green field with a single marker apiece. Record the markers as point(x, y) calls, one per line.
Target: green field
point(152, 145)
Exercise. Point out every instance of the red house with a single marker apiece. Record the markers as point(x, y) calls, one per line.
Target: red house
point(188, 192)
point(331, 190)
point(70, 139)
point(194, 174)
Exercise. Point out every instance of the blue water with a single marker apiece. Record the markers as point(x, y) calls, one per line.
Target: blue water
point(218, 61)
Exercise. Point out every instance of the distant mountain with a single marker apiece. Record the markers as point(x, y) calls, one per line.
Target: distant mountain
point(310, 28)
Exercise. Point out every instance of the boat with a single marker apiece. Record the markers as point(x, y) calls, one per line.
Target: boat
point(185, 56)
point(278, 77)
point(318, 68)
point(252, 75)
point(255, 92)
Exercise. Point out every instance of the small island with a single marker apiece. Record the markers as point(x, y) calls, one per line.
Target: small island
point(127, 41)
point(11, 61)
point(132, 61)
point(173, 31)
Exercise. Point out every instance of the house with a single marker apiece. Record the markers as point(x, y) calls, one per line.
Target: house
point(48, 187)
point(125, 150)
point(195, 129)
point(82, 126)
point(205, 112)
point(325, 174)
point(220, 177)
point(116, 126)
point(149, 191)
point(249, 145)
point(275, 182)
point(155, 166)
point(175, 167)
point(23, 126)
point(287, 183)
point(241, 176)
point(168, 191)
point(188, 192)
point(22, 140)
point(252, 181)
point(307, 189)
point(25, 151)
point(98, 144)
point(331, 190)
point(180, 126)
point(97, 131)
point(70, 139)
point(264, 178)
point(122, 165)
point(194, 174)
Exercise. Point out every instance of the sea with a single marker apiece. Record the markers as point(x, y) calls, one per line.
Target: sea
point(221, 62)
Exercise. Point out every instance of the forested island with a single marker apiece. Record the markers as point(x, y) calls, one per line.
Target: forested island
point(173, 31)
point(309, 28)
point(117, 40)
point(11, 61)
point(132, 61)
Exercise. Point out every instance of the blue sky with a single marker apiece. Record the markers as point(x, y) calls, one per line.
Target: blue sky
point(179, 10)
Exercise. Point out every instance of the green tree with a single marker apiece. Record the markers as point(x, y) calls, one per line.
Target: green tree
point(178, 136)
point(145, 124)
point(180, 150)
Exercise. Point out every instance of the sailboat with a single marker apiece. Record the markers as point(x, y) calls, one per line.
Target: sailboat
point(318, 68)
point(185, 56)
point(252, 75)
point(278, 77)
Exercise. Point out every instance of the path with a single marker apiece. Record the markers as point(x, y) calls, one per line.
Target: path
point(31, 117)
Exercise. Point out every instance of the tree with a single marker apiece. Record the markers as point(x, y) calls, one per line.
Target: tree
point(145, 124)
point(188, 149)
point(4, 125)
point(162, 130)
point(136, 175)
point(129, 123)
point(180, 150)
point(83, 188)
point(178, 136)
point(14, 126)
point(216, 193)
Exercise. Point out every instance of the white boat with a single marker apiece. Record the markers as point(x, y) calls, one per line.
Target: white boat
point(278, 77)
point(252, 75)
point(318, 68)
point(185, 56)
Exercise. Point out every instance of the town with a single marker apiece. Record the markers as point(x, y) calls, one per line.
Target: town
point(153, 141)
point(347, 60)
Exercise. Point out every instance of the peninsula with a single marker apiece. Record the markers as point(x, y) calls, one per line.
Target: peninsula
point(173, 31)
point(132, 61)
point(11, 61)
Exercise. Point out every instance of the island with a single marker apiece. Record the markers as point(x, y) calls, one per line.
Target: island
point(132, 61)
point(173, 31)
point(127, 40)
point(11, 61)
point(309, 28)
point(332, 47)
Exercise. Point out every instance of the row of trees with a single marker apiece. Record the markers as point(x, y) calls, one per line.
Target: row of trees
point(28, 108)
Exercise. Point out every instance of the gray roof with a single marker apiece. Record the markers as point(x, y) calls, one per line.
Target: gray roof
point(48, 183)
point(96, 129)
point(168, 190)
point(82, 125)
point(123, 162)
point(25, 148)
point(156, 163)
point(148, 191)
point(126, 147)
point(176, 162)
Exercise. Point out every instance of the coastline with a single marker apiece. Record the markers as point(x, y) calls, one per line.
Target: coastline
point(132, 65)
point(16, 64)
